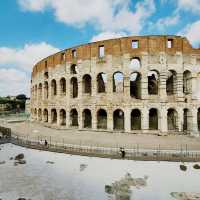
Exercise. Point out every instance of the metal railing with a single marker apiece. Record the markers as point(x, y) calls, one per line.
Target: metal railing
point(134, 152)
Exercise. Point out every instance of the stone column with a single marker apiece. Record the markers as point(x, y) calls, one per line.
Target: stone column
point(109, 85)
point(194, 123)
point(49, 116)
point(94, 119)
point(58, 88)
point(68, 117)
point(144, 86)
point(42, 91)
point(80, 87)
point(110, 120)
point(36, 95)
point(162, 84)
point(126, 86)
point(80, 118)
point(145, 120)
point(163, 120)
point(42, 117)
point(58, 117)
point(49, 91)
point(127, 115)
point(194, 86)
point(94, 86)
point(180, 119)
point(179, 86)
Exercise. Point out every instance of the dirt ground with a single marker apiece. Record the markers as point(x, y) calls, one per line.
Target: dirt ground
point(36, 131)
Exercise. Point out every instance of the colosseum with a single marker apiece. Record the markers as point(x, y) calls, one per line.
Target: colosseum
point(138, 84)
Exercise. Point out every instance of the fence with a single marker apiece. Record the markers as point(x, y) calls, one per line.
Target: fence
point(134, 153)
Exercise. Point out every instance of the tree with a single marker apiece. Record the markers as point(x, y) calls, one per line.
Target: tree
point(21, 97)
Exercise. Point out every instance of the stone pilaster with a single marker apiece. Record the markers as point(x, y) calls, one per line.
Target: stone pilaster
point(179, 86)
point(127, 115)
point(163, 120)
point(180, 119)
point(58, 117)
point(194, 123)
point(163, 78)
point(94, 119)
point(110, 120)
point(145, 120)
point(144, 86)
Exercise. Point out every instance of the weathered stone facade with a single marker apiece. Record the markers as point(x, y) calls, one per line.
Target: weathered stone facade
point(146, 84)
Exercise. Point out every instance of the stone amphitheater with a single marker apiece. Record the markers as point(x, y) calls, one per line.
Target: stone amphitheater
point(137, 84)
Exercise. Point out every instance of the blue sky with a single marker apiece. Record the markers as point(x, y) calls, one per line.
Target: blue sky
point(33, 29)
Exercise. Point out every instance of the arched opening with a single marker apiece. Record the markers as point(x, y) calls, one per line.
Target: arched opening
point(187, 82)
point(135, 64)
point(74, 87)
point(153, 119)
point(74, 69)
point(87, 118)
point(53, 116)
point(73, 118)
point(87, 84)
point(53, 87)
point(118, 117)
point(39, 114)
point(153, 82)
point(35, 113)
point(135, 85)
point(135, 119)
point(101, 82)
point(62, 117)
point(62, 86)
point(171, 82)
point(102, 119)
point(172, 119)
point(46, 75)
point(185, 119)
point(118, 82)
point(40, 90)
point(198, 119)
point(45, 115)
point(46, 89)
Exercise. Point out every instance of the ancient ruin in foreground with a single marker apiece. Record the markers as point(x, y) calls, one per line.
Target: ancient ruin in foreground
point(139, 84)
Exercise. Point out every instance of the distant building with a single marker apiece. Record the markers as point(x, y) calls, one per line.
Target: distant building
point(28, 106)
point(4, 107)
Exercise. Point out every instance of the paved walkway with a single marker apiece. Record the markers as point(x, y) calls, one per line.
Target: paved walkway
point(35, 131)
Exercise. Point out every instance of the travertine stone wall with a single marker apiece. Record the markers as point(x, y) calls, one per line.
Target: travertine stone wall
point(177, 112)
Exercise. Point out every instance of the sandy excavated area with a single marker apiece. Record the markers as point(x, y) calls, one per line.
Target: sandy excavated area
point(36, 131)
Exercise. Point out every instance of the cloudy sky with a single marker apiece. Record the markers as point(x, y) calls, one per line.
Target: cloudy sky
point(33, 29)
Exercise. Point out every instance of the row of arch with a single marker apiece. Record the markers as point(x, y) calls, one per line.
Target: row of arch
point(118, 118)
point(118, 84)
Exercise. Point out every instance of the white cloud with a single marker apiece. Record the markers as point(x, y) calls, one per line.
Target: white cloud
point(192, 31)
point(33, 5)
point(189, 5)
point(25, 57)
point(16, 65)
point(105, 15)
point(13, 82)
point(163, 23)
point(107, 35)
